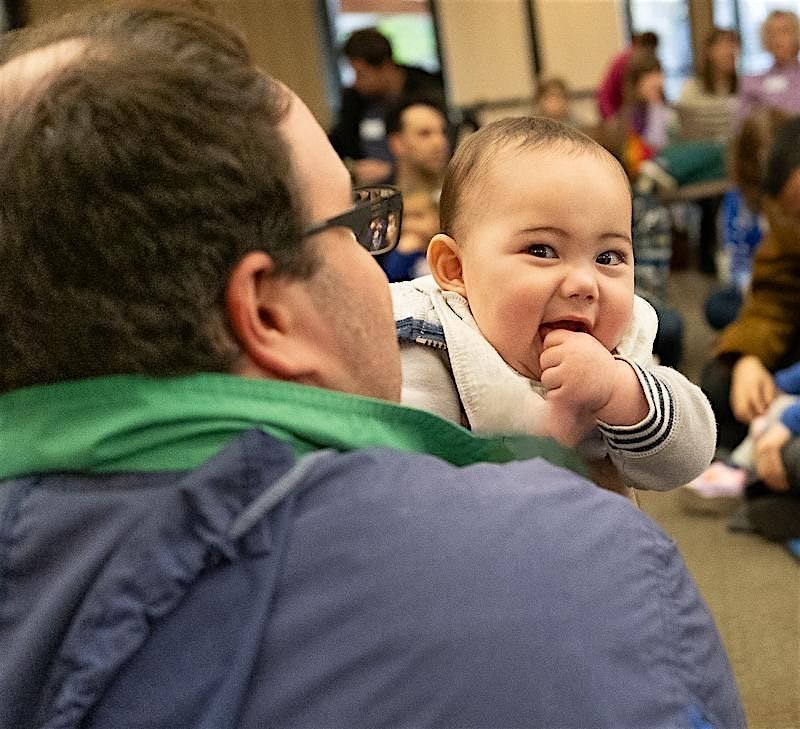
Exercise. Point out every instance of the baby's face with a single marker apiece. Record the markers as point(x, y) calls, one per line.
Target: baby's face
point(546, 244)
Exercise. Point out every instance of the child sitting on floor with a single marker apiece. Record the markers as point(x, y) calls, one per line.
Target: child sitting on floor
point(529, 323)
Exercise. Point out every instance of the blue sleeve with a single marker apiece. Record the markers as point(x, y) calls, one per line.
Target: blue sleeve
point(741, 234)
point(400, 266)
point(788, 379)
point(791, 418)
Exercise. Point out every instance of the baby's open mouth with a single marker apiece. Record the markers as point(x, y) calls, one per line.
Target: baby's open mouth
point(568, 324)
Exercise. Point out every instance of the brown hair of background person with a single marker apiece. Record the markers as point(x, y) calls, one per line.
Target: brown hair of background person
point(712, 83)
point(749, 150)
point(369, 45)
point(647, 39)
point(641, 63)
point(193, 209)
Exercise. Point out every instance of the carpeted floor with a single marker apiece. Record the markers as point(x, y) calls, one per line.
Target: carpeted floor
point(753, 590)
point(751, 586)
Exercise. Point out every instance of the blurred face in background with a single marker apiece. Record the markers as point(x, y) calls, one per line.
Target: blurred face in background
point(370, 80)
point(722, 54)
point(554, 104)
point(420, 215)
point(786, 207)
point(421, 142)
point(650, 87)
point(780, 37)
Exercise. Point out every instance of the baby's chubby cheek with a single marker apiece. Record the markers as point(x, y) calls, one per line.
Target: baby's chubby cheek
point(615, 335)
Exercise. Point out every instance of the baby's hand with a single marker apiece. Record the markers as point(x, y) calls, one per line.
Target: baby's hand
point(577, 370)
point(578, 373)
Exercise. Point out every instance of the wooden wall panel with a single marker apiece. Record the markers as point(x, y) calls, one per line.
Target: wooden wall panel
point(577, 38)
point(486, 50)
point(286, 41)
point(282, 34)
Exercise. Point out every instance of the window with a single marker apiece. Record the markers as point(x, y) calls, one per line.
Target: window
point(408, 24)
point(747, 17)
point(670, 20)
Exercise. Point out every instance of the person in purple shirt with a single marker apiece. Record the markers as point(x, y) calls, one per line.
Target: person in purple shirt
point(779, 87)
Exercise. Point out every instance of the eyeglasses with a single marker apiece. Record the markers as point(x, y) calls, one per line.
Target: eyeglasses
point(374, 219)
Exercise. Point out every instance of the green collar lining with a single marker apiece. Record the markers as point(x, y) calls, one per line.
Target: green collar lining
point(132, 423)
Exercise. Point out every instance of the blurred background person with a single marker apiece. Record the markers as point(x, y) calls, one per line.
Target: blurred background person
point(552, 100)
point(707, 103)
point(417, 138)
point(765, 336)
point(420, 224)
point(642, 126)
point(741, 220)
point(706, 112)
point(359, 134)
point(779, 87)
point(611, 90)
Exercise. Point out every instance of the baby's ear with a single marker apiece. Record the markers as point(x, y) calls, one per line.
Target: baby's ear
point(444, 260)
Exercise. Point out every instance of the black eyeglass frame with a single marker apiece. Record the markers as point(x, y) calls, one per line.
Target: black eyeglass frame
point(379, 204)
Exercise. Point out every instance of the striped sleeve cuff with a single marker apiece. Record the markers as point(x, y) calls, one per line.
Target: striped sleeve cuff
point(651, 432)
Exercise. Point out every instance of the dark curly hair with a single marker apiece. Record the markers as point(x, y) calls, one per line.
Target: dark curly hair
point(134, 175)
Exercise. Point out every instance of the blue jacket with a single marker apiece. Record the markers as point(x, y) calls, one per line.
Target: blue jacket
point(374, 588)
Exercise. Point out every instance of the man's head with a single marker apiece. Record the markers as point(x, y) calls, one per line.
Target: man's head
point(780, 36)
point(537, 235)
point(370, 55)
point(154, 193)
point(417, 137)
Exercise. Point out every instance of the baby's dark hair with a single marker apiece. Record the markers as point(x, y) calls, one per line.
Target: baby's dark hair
point(471, 163)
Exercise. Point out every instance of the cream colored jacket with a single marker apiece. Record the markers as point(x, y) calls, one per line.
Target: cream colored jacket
point(451, 370)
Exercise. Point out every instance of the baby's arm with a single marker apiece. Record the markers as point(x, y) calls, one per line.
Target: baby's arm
point(674, 443)
point(585, 383)
point(659, 428)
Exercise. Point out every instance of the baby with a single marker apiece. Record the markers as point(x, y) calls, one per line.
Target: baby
point(529, 323)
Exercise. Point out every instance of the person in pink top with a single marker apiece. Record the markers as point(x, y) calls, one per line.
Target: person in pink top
point(779, 87)
point(610, 92)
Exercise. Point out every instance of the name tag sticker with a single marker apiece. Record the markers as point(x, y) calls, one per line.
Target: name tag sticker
point(372, 129)
point(775, 84)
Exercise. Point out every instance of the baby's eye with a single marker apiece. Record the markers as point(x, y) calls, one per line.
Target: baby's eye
point(610, 258)
point(540, 250)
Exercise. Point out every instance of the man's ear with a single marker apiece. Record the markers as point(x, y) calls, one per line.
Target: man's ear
point(444, 260)
point(261, 308)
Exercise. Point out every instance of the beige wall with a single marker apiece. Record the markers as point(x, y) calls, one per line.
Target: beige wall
point(578, 37)
point(283, 36)
point(486, 50)
point(485, 43)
